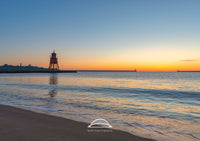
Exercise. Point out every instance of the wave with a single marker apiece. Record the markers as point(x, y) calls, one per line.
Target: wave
point(123, 92)
point(98, 98)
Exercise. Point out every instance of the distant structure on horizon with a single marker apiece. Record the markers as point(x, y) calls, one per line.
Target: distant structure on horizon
point(53, 67)
point(11, 68)
point(53, 64)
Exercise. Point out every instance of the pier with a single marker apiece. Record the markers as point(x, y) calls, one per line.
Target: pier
point(38, 71)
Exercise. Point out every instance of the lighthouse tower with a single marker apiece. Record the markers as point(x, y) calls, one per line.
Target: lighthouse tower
point(53, 64)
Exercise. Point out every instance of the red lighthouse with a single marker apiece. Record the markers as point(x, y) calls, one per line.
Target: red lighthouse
point(53, 65)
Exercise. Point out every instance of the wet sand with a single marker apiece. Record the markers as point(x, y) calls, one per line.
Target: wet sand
point(23, 125)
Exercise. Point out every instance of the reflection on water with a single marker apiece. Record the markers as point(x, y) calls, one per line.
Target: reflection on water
point(53, 93)
point(163, 106)
point(53, 80)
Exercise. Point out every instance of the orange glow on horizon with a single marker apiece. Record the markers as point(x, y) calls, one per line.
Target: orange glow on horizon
point(145, 68)
point(147, 61)
point(122, 66)
point(129, 66)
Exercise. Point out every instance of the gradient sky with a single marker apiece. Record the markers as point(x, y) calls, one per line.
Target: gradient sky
point(150, 35)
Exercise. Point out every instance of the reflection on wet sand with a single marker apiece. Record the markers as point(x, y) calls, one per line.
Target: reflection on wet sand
point(53, 80)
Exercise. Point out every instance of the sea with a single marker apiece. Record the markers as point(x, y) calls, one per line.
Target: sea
point(160, 105)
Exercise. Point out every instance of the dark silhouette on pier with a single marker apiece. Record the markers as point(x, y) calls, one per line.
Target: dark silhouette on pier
point(53, 67)
point(53, 64)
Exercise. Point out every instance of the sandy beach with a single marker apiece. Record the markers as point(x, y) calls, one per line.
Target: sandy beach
point(23, 125)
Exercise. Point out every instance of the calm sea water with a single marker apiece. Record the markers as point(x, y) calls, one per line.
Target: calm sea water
point(162, 106)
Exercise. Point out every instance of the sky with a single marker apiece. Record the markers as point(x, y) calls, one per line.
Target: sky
point(149, 35)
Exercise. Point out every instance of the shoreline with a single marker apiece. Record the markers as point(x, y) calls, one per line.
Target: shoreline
point(18, 124)
point(38, 71)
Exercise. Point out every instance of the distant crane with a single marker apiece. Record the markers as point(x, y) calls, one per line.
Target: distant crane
point(53, 64)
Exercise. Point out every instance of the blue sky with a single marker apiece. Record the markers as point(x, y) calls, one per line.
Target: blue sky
point(115, 33)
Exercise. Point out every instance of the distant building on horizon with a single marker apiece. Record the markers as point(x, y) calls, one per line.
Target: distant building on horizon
point(7, 67)
point(53, 67)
